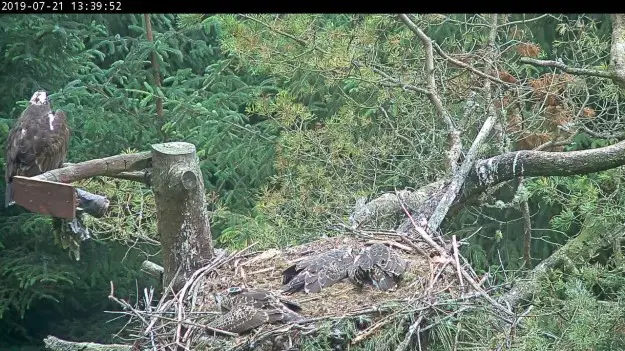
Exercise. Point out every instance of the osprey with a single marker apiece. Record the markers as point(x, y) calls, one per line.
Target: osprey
point(379, 266)
point(318, 272)
point(245, 309)
point(254, 297)
point(37, 143)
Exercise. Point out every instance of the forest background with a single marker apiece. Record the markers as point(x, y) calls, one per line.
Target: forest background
point(295, 118)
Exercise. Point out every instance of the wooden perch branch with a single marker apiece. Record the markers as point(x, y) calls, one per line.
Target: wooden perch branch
point(93, 204)
point(144, 176)
point(108, 166)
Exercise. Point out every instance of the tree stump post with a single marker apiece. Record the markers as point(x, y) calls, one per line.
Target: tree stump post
point(182, 219)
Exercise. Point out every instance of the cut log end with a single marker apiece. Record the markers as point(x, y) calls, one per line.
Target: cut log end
point(174, 148)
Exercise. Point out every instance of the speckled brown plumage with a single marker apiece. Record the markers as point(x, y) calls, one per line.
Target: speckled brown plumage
point(317, 272)
point(254, 297)
point(378, 265)
point(245, 309)
point(37, 143)
point(242, 318)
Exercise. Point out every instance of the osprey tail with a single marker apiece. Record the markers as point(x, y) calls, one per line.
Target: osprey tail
point(8, 199)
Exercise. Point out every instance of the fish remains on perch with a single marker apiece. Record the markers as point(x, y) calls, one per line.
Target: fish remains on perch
point(245, 309)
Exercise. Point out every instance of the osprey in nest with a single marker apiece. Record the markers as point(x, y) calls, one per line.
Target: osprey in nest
point(245, 309)
point(317, 272)
point(379, 266)
point(37, 143)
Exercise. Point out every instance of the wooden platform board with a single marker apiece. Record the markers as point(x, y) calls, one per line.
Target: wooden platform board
point(45, 197)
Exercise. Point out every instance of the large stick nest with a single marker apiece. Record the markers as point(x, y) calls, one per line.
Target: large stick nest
point(338, 317)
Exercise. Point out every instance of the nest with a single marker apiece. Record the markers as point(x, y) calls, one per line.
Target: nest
point(341, 314)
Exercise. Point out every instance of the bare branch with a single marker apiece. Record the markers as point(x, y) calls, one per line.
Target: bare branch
point(617, 51)
point(617, 57)
point(56, 344)
point(542, 163)
point(396, 82)
point(572, 70)
point(454, 134)
point(492, 171)
point(458, 179)
point(467, 66)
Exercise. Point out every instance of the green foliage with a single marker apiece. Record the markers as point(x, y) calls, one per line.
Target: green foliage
point(97, 69)
point(581, 321)
point(293, 121)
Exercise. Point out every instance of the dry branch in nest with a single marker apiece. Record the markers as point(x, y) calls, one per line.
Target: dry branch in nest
point(434, 280)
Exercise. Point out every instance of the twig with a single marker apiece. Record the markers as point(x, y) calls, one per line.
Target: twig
point(428, 239)
point(403, 345)
point(457, 260)
point(572, 70)
point(290, 36)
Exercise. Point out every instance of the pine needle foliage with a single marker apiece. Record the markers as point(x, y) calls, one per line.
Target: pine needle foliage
point(97, 69)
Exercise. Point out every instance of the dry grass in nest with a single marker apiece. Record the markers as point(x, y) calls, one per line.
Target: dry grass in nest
point(431, 283)
point(264, 271)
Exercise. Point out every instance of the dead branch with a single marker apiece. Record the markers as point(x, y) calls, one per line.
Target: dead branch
point(492, 171)
point(152, 269)
point(617, 51)
point(459, 177)
point(56, 344)
point(568, 69)
point(433, 95)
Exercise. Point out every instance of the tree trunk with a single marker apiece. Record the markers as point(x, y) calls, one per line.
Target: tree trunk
point(182, 219)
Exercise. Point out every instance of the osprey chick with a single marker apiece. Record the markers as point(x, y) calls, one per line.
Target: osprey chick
point(37, 143)
point(254, 297)
point(245, 309)
point(317, 272)
point(378, 265)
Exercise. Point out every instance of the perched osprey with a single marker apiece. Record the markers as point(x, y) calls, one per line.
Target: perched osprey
point(318, 272)
point(37, 143)
point(245, 309)
point(378, 265)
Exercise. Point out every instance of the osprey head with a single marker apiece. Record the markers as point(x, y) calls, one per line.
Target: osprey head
point(39, 98)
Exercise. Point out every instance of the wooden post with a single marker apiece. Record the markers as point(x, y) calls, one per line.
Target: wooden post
point(182, 219)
